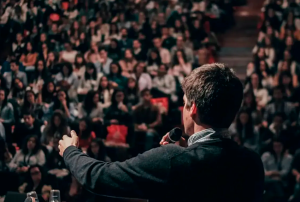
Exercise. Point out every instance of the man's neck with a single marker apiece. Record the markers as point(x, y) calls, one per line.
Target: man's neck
point(198, 128)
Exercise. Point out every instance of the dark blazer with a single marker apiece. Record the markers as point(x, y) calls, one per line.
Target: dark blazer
point(210, 170)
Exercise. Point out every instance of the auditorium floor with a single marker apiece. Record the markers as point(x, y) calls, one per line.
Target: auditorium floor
point(237, 43)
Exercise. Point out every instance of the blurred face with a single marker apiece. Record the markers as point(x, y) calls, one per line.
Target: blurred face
point(248, 99)
point(179, 54)
point(136, 44)
point(287, 55)
point(262, 66)
point(277, 121)
point(82, 126)
point(119, 97)
point(31, 144)
point(254, 80)
point(44, 46)
point(289, 41)
point(157, 43)
point(40, 66)
point(51, 56)
point(268, 41)
point(147, 96)
point(30, 97)
point(65, 70)
point(90, 71)
point(113, 44)
point(244, 118)
point(76, 25)
point(124, 33)
point(94, 148)
point(43, 37)
point(29, 47)
point(104, 82)
point(79, 60)
point(286, 80)
point(261, 53)
point(277, 94)
point(187, 34)
point(103, 54)
point(177, 23)
point(269, 30)
point(277, 147)
point(162, 70)
point(140, 68)
point(56, 121)
point(128, 54)
point(83, 20)
point(61, 95)
point(2, 95)
point(35, 174)
point(50, 87)
point(19, 37)
point(153, 55)
point(67, 46)
point(114, 69)
point(92, 24)
point(28, 120)
point(96, 98)
point(131, 83)
point(54, 28)
point(165, 31)
point(82, 36)
point(179, 41)
point(13, 67)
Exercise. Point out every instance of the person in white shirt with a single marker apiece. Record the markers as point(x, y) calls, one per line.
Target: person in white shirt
point(163, 52)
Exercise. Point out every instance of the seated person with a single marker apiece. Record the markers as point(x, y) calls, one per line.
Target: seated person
point(147, 118)
point(31, 126)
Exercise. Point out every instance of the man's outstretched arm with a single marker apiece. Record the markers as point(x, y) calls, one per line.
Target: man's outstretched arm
point(143, 176)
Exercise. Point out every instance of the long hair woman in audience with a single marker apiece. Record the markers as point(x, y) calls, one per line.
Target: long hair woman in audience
point(67, 80)
point(40, 76)
point(79, 66)
point(31, 104)
point(269, 49)
point(132, 93)
point(127, 63)
point(291, 93)
point(17, 91)
point(261, 94)
point(93, 111)
point(7, 110)
point(181, 67)
point(97, 150)
point(62, 102)
point(248, 133)
point(52, 63)
point(118, 112)
point(36, 180)
point(250, 105)
point(115, 77)
point(153, 62)
point(85, 133)
point(30, 154)
point(104, 92)
point(48, 93)
point(141, 76)
point(288, 64)
point(114, 50)
point(56, 128)
point(265, 74)
point(29, 57)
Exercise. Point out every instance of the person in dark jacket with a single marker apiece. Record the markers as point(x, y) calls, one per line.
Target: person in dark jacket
point(208, 167)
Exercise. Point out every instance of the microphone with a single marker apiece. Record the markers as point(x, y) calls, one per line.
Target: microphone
point(174, 135)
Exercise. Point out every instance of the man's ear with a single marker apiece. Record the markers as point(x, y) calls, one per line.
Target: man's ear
point(193, 109)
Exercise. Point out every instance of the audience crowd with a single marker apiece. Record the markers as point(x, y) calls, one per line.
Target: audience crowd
point(108, 69)
point(269, 119)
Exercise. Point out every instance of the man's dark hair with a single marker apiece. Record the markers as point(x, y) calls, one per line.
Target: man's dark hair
point(216, 92)
point(144, 91)
point(28, 112)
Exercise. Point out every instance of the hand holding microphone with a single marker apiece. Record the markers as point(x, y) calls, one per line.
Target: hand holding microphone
point(174, 137)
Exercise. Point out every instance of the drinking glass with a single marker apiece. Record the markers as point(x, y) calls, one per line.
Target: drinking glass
point(54, 196)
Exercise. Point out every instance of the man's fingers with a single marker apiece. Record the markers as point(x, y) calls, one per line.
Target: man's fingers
point(165, 143)
point(164, 138)
point(64, 137)
point(73, 134)
point(60, 142)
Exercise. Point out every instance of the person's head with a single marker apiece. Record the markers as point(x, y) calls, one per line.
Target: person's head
point(28, 117)
point(289, 41)
point(255, 80)
point(157, 42)
point(68, 46)
point(287, 55)
point(29, 47)
point(103, 53)
point(128, 54)
point(249, 99)
point(268, 41)
point(165, 31)
point(263, 66)
point(79, 60)
point(29, 98)
point(67, 69)
point(115, 69)
point(54, 27)
point(278, 147)
point(136, 44)
point(113, 44)
point(91, 100)
point(14, 66)
point(131, 83)
point(212, 97)
point(51, 56)
point(35, 174)
point(97, 149)
point(261, 53)
point(140, 68)
point(179, 41)
point(118, 96)
point(3, 97)
point(277, 93)
point(58, 119)
point(146, 96)
point(82, 125)
point(43, 37)
point(103, 84)
point(40, 65)
point(19, 37)
point(62, 95)
point(285, 79)
point(50, 87)
point(244, 117)
point(162, 70)
point(124, 32)
point(278, 119)
point(90, 72)
point(31, 144)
